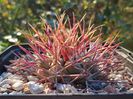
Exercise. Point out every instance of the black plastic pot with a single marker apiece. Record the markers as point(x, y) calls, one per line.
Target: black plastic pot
point(8, 55)
point(78, 96)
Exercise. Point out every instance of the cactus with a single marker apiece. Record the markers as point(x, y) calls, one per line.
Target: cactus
point(67, 54)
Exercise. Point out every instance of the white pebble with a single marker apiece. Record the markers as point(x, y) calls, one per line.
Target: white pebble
point(66, 88)
point(16, 77)
point(6, 74)
point(5, 93)
point(35, 88)
point(3, 89)
point(6, 81)
point(118, 77)
point(15, 80)
point(16, 93)
point(13, 93)
point(1, 78)
point(31, 82)
point(18, 86)
point(130, 90)
point(112, 75)
point(32, 78)
point(6, 86)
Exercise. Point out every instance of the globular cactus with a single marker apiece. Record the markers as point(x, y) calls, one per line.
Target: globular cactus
point(67, 54)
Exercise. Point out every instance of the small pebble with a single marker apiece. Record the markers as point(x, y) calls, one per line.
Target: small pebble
point(6, 74)
point(32, 78)
point(112, 75)
point(47, 91)
point(6, 86)
point(6, 81)
point(118, 77)
point(5, 93)
point(18, 86)
point(15, 80)
point(1, 78)
point(66, 88)
point(130, 90)
point(110, 89)
point(16, 93)
point(16, 77)
point(3, 89)
point(35, 88)
point(26, 89)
